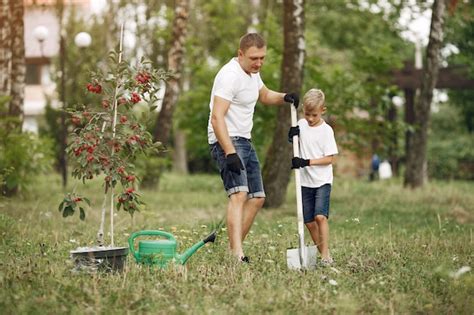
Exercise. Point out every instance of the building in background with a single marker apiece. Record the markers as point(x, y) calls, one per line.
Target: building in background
point(41, 21)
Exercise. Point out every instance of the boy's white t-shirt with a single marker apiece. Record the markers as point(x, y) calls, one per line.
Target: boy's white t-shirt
point(316, 142)
point(232, 83)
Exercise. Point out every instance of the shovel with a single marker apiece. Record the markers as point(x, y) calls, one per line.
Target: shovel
point(303, 257)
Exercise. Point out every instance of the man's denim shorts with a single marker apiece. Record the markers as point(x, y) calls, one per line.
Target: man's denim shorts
point(315, 202)
point(250, 179)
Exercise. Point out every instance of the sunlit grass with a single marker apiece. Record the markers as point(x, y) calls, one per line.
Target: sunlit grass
point(396, 251)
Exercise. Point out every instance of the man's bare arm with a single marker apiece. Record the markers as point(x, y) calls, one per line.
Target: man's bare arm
point(221, 106)
point(269, 97)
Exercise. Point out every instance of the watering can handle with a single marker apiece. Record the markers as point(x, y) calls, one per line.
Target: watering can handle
point(131, 239)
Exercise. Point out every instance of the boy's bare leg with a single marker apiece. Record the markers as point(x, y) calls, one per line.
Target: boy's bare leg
point(314, 232)
point(251, 208)
point(235, 211)
point(323, 227)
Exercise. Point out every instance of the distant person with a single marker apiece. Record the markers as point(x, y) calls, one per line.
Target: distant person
point(317, 150)
point(237, 87)
point(385, 170)
point(374, 167)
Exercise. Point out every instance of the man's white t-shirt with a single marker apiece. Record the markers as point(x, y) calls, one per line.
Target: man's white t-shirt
point(316, 142)
point(232, 83)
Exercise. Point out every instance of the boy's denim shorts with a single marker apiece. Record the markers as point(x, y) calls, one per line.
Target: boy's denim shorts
point(250, 179)
point(315, 202)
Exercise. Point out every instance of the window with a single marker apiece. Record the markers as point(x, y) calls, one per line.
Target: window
point(33, 74)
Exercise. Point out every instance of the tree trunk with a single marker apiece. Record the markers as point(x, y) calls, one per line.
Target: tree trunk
point(416, 154)
point(5, 47)
point(409, 120)
point(276, 170)
point(62, 91)
point(164, 121)
point(180, 164)
point(393, 140)
point(18, 66)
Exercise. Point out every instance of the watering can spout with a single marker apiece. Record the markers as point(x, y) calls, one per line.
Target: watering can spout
point(190, 251)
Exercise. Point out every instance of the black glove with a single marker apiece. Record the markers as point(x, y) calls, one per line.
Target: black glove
point(234, 164)
point(297, 162)
point(292, 98)
point(294, 131)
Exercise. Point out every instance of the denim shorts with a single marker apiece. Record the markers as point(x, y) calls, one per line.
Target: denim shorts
point(250, 179)
point(315, 202)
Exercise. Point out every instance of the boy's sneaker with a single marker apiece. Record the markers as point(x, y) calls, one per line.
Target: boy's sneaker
point(327, 261)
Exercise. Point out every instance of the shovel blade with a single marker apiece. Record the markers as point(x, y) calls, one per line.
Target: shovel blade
point(293, 258)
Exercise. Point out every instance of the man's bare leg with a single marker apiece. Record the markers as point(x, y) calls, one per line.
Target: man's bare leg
point(251, 208)
point(235, 211)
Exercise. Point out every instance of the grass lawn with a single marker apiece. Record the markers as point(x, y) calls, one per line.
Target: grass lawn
point(397, 252)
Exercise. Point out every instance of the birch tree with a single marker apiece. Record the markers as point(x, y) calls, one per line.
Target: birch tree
point(5, 52)
point(276, 171)
point(18, 66)
point(175, 64)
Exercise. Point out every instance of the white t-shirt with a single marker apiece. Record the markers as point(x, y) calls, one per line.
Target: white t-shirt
point(232, 83)
point(316, 142)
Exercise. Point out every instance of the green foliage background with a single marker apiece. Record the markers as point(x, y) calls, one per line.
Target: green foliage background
point(350, 53)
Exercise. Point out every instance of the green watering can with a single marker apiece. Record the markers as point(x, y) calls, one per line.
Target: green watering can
point(161, 252)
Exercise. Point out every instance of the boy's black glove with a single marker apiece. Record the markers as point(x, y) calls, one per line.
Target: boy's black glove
point(294, 131)
point(292, 98)
point(297, 162)
point(234, 164)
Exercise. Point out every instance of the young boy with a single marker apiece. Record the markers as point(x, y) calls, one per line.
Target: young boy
point(317, 148)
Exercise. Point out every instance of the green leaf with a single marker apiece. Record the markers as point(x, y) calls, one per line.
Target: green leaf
point(119, 206)
point(61, 205)
point(66, 211)
point(82, 214)
point(87, 201)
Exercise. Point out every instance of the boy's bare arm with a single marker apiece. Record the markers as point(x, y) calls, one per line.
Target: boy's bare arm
point(220, 108)
point(326, 160)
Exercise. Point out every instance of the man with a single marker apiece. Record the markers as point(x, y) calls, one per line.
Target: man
point(237, 87)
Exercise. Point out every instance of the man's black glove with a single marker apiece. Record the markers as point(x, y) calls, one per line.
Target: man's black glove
point(297, 162)
point(294, 131)
point(292, 98)
point(234, 164)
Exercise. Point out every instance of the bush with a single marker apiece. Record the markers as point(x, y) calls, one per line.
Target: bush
point(452, 158)
point(22, 156)
point(150, 168)
point(450, 150)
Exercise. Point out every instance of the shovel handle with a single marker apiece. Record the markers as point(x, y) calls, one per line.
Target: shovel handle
point(131, 239)
point(299, 202)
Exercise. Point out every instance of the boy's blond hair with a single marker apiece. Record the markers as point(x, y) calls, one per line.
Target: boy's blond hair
point(313, 99)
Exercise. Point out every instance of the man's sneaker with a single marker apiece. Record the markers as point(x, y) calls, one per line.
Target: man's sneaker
point(327, 261)
point(245, 259)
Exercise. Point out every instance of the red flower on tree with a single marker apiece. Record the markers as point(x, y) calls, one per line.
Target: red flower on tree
point(94, 88)
point(135, 98)
point(143, 78)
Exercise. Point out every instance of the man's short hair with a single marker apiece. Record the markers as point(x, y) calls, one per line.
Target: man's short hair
point(251, 40)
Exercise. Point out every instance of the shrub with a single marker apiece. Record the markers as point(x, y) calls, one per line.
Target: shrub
point(23, 155)
point(452, 158)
